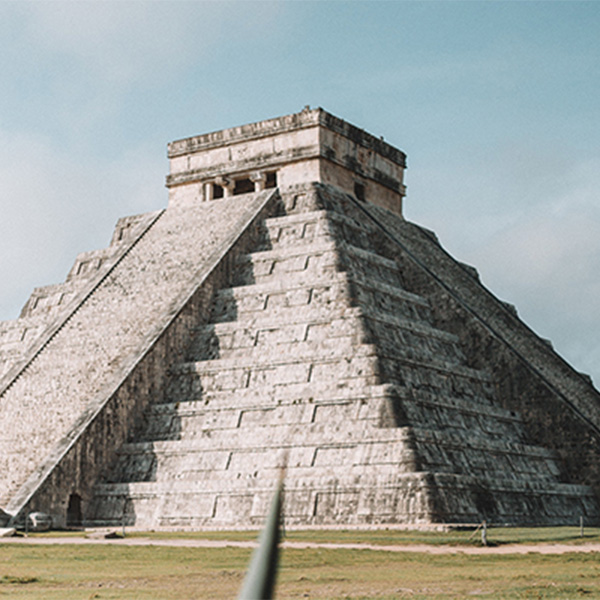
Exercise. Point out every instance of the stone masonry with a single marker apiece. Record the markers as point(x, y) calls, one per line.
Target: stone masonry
point(281, 312)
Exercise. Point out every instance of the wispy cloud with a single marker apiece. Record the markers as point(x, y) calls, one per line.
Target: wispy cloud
point(121, 43)
point(536, 243)
point(495, 103)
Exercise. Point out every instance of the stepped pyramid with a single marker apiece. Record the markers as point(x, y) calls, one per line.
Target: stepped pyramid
point(281, 311)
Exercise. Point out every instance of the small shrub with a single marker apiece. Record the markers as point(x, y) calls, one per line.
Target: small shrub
point(12, 579)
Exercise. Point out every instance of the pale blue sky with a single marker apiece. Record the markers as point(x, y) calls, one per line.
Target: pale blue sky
point(495, 103)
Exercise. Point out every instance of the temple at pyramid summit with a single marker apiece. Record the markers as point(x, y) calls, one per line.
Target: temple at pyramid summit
point(281, 312)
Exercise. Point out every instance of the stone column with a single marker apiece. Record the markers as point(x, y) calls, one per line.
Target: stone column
point(208, 191)
point(227, 185)
point(259, 179)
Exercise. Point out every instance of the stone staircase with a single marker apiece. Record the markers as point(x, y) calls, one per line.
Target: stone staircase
point(48, 302)
point(320, 359)
point(105, 339)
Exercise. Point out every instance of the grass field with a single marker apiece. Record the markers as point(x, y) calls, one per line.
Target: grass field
point(466, 537)
point(116, 571)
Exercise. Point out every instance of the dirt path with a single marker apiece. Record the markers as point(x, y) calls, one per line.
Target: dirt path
point(429, 549)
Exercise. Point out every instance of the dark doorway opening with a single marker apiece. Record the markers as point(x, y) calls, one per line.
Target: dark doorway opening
point(271, 180)
point(359, 191)
point(74, 518)
point(243, 186)
point(217, 191)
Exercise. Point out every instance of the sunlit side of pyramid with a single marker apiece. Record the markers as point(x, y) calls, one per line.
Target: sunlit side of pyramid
point(279, 312)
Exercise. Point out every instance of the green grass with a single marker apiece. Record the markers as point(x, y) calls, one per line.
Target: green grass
point(69, 572)
point(496, 535)
point(116, 571)
point(500, 535)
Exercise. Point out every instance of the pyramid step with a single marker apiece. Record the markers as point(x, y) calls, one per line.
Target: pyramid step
point(327, 365)
point(317, 293)
point(467, 404)
point(273, 349)
point(275, 396)
point(313, 366)
point(457, 452)
point(332, 339)
point(223, 459)
point(393, 334)
point(265, 438)
point(360, 477)
point(18, 334)
point(182, 424)
point(384, 476)
point(329, 224)
point(281, 254)
point(218, 340)
point(293, 425)
point(316, 257)
point(452, 379)
point(288, 394)
point(181, 420)
point(295, 317)
point(47, 301)
point(337, 279)
point(298, 228)
point(320, 396)
point(360, 233)
point(261, 267)
point(367, 265)
point(341, 318)
point(316, 305)
point(8, 358)
point(451, 413)
point(282, 354)
point(287, 219)
point(342, 390)
point(464, 498)
point(391, 322)
point(321, 295)
point(510, 484)
point(307, 502)
point(220, 471)
point(272, 344)
point(184, 388)
point(349, 445)
point(389, 299)
point(364, 499)
point(340, 371)
point(186, 420)
point(411, 339)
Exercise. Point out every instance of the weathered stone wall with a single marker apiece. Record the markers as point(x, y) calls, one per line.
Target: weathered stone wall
point(326, 351)
point(427, 271)
point(280, 370)
point(559, 406)
point(89, 449)
point(312, 145)
point(133, 306)
point(385, 196)
point(551, 420)
point(48, 307)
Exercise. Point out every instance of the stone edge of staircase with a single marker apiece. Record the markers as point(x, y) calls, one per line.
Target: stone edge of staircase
point(38, 491)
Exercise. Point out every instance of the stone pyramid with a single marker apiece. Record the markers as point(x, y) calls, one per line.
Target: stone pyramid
point(281, 312)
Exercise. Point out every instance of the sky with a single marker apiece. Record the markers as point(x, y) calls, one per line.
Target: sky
point(495, 103)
